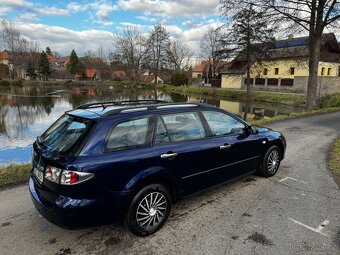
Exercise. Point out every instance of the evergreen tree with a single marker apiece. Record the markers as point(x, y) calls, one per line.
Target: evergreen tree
point(44, 66)
point(74, 65)
point(179, 78)
point(48, 51)
point(252, 36)
point(30, 69)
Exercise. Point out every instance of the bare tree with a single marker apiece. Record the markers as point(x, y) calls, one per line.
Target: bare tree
point(89, 59)
point(130, 46)
point(158, 45)
point(312, 16)
point(213, 48)
point(10, 36)
point(103, 67)
point(179, 55)
point(22, 50)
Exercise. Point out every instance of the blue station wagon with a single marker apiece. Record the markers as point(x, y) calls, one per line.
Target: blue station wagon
point(132, 159)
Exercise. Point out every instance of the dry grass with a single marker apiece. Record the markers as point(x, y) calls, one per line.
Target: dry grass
point(14, 174)
point(334, 160)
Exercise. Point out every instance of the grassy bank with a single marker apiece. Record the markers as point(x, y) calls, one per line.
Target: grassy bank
point(14, 174)
point(294, 115)
point(273, 98)
point(116, 84)
point(334, 160)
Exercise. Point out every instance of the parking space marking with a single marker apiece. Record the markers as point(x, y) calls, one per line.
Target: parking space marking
point(291, 178)
point(316, 230)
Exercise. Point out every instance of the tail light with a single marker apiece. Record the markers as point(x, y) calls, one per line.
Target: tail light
point(73, 177)
point(66, 177)
point(52, 174)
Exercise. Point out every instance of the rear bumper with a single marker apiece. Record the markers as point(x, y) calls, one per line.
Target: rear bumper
point(68, 212)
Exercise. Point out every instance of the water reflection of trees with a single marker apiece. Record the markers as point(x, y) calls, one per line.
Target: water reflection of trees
point(91, 95)
point(18, 112)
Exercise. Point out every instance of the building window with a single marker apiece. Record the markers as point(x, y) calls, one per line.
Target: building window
point(292, 71)
point(323, 71)
point(276, 71)
point(199, 75)
point(265, 71)
point(329, 71)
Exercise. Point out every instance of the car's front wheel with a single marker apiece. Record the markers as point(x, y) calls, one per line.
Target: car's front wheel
point(271, 162)
point(149, 210)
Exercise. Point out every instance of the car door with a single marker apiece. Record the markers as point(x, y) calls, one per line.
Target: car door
point(182, 149)
point(239, 150)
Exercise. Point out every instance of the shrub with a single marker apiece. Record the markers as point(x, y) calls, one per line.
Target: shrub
point(17, 83)
point(332, 100)
point(4, 83)
point(179, 78)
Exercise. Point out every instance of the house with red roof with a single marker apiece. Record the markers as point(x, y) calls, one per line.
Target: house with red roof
point(89, 74)
point(150, 78)
point(118, 75)
point(198, 71)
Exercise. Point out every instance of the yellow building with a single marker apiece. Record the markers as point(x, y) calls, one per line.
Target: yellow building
point(284, 64)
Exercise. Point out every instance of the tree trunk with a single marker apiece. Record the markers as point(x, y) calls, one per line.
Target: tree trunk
point(248, 80)
point(314, 56)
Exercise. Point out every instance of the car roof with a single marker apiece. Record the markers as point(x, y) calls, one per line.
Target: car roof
point(114, 108)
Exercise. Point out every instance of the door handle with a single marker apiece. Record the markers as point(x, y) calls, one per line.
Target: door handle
point(168, 155)
point(225, 147)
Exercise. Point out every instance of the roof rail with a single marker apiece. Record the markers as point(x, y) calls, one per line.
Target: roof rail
point(116, 103)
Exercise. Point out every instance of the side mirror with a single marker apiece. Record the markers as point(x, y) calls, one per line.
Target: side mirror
point(250, 130)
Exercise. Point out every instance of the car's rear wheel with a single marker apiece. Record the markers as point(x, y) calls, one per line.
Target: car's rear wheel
point(271, 162)
point(149, 210)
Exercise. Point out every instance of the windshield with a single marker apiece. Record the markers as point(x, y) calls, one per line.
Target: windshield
point(64, 134)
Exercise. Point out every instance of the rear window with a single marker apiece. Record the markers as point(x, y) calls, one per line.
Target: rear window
point(65, 133)
point(129, 134)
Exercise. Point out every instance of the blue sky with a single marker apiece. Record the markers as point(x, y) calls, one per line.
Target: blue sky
point(85, 25)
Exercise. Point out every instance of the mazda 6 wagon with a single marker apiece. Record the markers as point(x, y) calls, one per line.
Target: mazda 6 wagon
point(132, 159)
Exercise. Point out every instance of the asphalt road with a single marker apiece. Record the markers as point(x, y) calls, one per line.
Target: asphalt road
point(295, 212)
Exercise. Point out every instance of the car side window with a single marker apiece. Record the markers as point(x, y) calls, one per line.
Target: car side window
point(161, 135)
point(223, 124)
point(182, 127)
point(128, 134)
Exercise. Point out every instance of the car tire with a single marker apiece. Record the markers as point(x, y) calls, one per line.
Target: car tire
point(271, 162)
point(149, 210)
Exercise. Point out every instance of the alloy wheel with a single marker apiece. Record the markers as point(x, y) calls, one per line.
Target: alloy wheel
point(273, 161)
point(151, 210)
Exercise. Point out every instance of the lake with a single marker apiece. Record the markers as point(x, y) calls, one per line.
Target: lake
point(26, 112)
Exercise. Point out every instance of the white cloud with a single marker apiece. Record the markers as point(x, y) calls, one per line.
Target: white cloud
point(193, 35)
point(169, 9)
point(147, 19)
point(129, 24)
point(76, 7)
point(63, 40)
point(99, 11)
point(4, 11)
point(16, 4)
point(54, 11)
point(28, 17)
point(103, 9)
